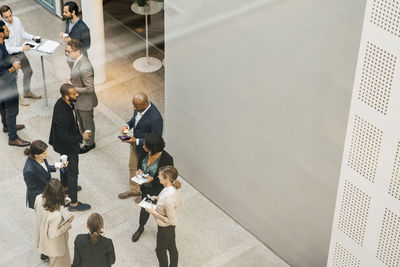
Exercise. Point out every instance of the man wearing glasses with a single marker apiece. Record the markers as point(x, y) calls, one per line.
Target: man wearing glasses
point(82, 78)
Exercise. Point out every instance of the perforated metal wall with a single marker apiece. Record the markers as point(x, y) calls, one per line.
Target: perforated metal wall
point(366, 226)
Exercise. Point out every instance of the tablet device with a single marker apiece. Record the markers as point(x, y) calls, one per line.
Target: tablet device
point(65, 221)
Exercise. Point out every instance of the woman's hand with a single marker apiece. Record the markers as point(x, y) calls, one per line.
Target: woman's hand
point(139, 172)
point(152, 211)
point(149, 179)
point(155, 197)
point(71, 219)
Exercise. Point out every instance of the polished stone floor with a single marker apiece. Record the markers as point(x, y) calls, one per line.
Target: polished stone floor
point(206, 236)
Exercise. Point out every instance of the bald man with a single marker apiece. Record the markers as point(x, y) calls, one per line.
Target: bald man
point(146, 119)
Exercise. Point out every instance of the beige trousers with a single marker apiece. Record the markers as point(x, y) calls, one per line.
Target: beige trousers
point(64, 261)
point(133, 162)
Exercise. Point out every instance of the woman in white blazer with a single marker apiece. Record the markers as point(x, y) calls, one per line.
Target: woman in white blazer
point(166, 215)
point(51, 234)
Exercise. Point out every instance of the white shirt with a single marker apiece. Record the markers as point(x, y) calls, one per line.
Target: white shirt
point(17, 33)
point(77, 61)
point(44, 166)
point(139, 115)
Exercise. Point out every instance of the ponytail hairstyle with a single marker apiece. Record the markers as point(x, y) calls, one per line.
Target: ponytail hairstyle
point(37, 147)
point(95, 224)
point(171, 173)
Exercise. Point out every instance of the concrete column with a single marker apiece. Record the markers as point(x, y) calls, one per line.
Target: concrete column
point(92, 12)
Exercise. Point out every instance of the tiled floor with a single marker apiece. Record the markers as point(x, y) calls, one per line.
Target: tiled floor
point(206, 236)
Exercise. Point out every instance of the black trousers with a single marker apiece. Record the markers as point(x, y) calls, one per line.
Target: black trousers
point(9, 110)
point(166, 241)
point(70, 176)
point(144, 215)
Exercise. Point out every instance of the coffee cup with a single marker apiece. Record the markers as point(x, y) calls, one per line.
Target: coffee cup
point(38, 39)
point(65, 35)
point(125, 131)
point(64, 158)
point(88, 131)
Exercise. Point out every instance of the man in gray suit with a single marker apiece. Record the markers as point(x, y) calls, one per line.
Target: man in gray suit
point(81, 78)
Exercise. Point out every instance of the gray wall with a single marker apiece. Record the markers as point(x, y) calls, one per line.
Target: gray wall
point(256, 110)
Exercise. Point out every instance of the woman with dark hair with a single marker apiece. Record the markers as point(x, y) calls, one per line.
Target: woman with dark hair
point(155, 158)
point(36, 171)
point(51, 230)
point(166, 215)
point(94, 249)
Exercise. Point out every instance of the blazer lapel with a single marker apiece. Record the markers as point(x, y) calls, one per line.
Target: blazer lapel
point(76, 26)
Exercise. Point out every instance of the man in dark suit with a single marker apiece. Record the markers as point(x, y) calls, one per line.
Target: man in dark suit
point(82, 78)
point(75, 28)
point(65, 138)
point(9, 92)
point(146, 119)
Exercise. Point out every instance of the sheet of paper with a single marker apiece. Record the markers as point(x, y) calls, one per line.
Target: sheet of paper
point(147, 205)
point(139, 180)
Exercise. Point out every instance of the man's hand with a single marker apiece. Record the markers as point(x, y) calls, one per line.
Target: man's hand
point(124, 129)
point(69, 79)
point(26, 48)
point(86, 135)
point(16, 65)
point(131, 140)
point(67, 39)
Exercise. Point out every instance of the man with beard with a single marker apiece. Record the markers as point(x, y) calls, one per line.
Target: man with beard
point(82, 77)
point(65, 138)
point(16, 49)
point(9, 92)
point(75, 28)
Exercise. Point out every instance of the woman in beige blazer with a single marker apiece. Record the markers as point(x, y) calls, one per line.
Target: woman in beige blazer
point(51, 236)
point(166, 216)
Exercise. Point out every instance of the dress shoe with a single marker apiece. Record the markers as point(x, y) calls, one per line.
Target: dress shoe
point(128, 194)
point(22, 101)
point(138, 199)
point(44, 257)
point(86, 148)
point(80, 207)
point(138, 233)
point(18, 142)
point(18, 127)
point(31, 94)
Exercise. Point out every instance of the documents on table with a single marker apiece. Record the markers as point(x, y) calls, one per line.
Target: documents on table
point(49, 46)
point(147, 205)
point(140, 179)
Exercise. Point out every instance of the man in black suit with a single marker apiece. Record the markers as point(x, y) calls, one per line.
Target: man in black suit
point(9, 92)
point(65, 138)
point(146, 119)
point(75, 28)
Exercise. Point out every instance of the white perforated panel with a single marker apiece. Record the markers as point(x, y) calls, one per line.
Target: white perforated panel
point(344, 258)
point(377, 78)
point(365, 146)
point(389, 241)
point(354, 212)
point(367, 214)
point(394, 188)
point(386, 15)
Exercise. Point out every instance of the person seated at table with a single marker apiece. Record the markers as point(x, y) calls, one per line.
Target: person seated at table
point(156, 157)
point(94, 249)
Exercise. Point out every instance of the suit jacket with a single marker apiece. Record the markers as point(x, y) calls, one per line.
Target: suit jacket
point(36, 178)
point(64, 133)
point(86, 254)
point(82, 77)
point(151, 122)
point(79, 32)
point(8, 81)
point(156, 187)
point(48, 237)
